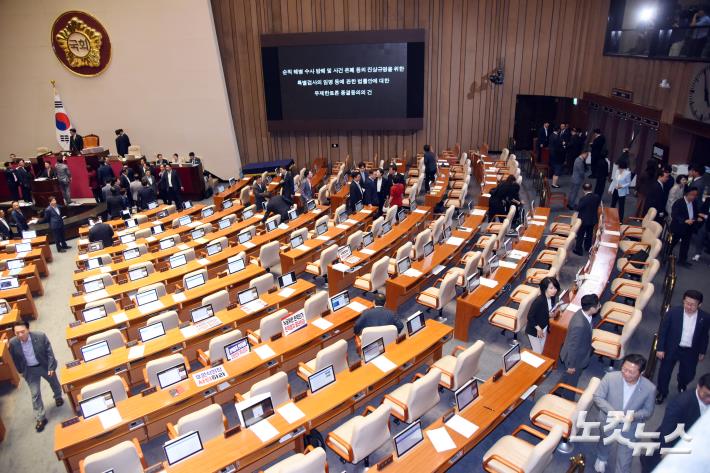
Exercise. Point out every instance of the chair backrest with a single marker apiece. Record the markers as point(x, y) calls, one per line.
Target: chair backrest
point(650, 270)
point(585, 401)
point(171, 209)
point(269, 255)
point(231, 217)
point(521, 315)
point(654, 228)
point(218, 343)
point(251, 208)
point(321, 221)
point(370, 432)
point(388, 334)
point(572, 237)
point(649, 217)
point(404, 250)
point(655, 249)
point(202, 271)
point(316, 305)
point(628, 330)
point(223, 242)
point(505, 226)
point(423, 395)
point(219, 300)
point(263, 283)
point(148, 265)
point(355, 240)
point(244, 195)
point(449, 216)
point(422, 239)
point(274, 218)
point(467, 364)
point(645, 296)
point(108, 304)
point(335, 354)
point(302, 232)
point(270, 325)
point(541, 454)
point(5, 305)
point(438, 228)
point(376, 228)
point(471, 266)
point(121, 458)
point(153, 367)
point(169, 319)
point(189, 254)
point(276, 385)
point(339, 210)
point(327, 256)
point(251, 229)
point(208, 422)
point(323, 195)
point(207, 227)
point(143, 233)
point(487, 250)
point(391, 214)
point(511, 212)
point(113, 337)
point(140, 218)
point(113, 383)
point(447, 290)
point(378, 273)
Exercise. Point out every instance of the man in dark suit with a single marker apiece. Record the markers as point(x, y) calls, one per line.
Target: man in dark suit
point(381, 189)
point(287, 185)
point(105, 173)
point(683, 339)
point(370, 189)
point(588, 212)
point(53, 217)
point(172, 185)
point(577, 349)
point(102, 232)
point(124, 183)
point(34, 359)
point(656, 196)
point(48, 172)
point(12, 182)
point(115, 204)
point(686, 409)
point(277, 205)
point(5, 229)
point(122, 142)
point(684, 216)
point(260, 193)
point(76, 142)
point(356, 191)
point(146, 194)
point(377, 316)
point(543, 138)
point(596, 148)
point(18, 217)
point(25, 179)
point(429, 167)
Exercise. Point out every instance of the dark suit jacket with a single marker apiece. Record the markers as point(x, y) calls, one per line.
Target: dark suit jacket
point(19, 218)
point(43, 352)
point(76, 144)
point(577, 349)
point(24, 177)
point(260, 196)
point(114, 205)
point(105, 174)
point(377, 317)
point(174, 177)
point(102, 232)
point(278, 204)
point(588, 208)
point(679, 214)
point(48, 173)
point(543, 139)
point(429, 162)
point(371, 197)
point(539, 314)
point(11, 177)
point(287, 187)
point(672, 328)
point(5, 230)
point(124, 182)
point(52, 218)
point(122, 144)
point(656, 197)
point(355, 196)
point(146, 194)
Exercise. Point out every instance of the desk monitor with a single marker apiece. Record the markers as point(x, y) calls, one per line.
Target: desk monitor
point(184, 220)
point(493, 263)
point(177, 260)
point(292, 214)
point(254, 409)
point(23, 247)
point(296, 241)
point(401, 215)
point(264, 205)
point(472, 282)
point(146, 297)
point(125, 214)
point(188, 205)
point(358, 206)
point(415, 323)
point(29, 234)
point(341, 217)
point(339, 301)
point(95, 350)
point(466, 394)
point(408, 438)
point(194, 280)
point(214, 248)
point(386, 227)
point(321, 228)
point(91, 406)
point(197, 233)
point(237, 348)
point(511, 357)
point(507, 245)
point(248, 213)
point(224, 223)
point(162, 214)
point(428, 248)
point(138, 273)
point(166, 243)
point(459, 219)
point(172, 375)
point(373, 350)
point(206, 212)
point(287, 280)
point(152, 205)
point(9, 283)
point(310, 205)
point(131, 222)
point(15, 264)
point(248, 295)
point(446, 234)
point(149, 332)
point(4, 308)
point(95, 313)
point(157, 229)
point(93, 285)
point(220, 188)
point(201, 313)
point(321, 379)
point(412, 206)
point(127, 238)
point(367, 239)
point(234, 265)
point(93, 246)
point(182, 447)
point(244, 237)
point(131, 254)
point(344, 252)
point(270, 225)
point(403, 265)
point(227, 204)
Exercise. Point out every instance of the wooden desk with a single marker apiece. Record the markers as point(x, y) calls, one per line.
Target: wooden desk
point(597, 275)
point(401, 288)
point(22, 298)
point(45, 189)
point(145, 417)
point(470, 306)
point(34, 257)
point(339, 198)
point(495, 401)
point(37, 242)
point(8, 372)
point(432, 198)
point(28, 274)
point(7, 321)
point(231, 191)
point(119, 223)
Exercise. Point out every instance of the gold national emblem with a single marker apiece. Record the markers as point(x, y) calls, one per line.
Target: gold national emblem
point(81, 44)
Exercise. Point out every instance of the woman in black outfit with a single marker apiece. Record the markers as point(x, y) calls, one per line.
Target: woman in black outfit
point(539, 314)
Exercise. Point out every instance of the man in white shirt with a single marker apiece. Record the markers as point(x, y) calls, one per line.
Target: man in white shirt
point(623, 394)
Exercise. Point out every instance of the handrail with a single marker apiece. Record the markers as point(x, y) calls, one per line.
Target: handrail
point(577, 464)
point(668, 287)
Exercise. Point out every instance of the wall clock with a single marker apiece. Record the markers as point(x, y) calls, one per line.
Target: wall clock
point(699, 95)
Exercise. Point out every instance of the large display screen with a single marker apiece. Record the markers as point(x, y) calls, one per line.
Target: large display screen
point(372, 80)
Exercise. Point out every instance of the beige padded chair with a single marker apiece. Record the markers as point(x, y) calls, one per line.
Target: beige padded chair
point(109, 305)
point(209, 422)
point(269, 258)
point(223, 243)
point(264, 283)
point(143, 233)
point(114, 384)
point(312, 460)
point(635, 231)
point(376, 278)
point(176, 222)
point(484, 254)
point(650, 233)
point(171, 209)
point(169, 319)
point(619, 313)
point(203, 272)
point(357, 438)
point(319, 267)
point(437, 228)
point(302, 232)
point(219, 300)
point(153, 367)
point(275, 218)
point(388, 334)
point(458, 369)
point(323, 195)
point(567, 242)
point(625, 264)
point(469, 268)
point(412, 400)
point(535, 275)
point(511, 453)
point(502, 229)
point(513, 320)
point(269, 328)
point(140, 218)
point(439, 297)
point(251, 208)
point(424, 237)
point(494, 227)
point(105, 259)
point(391, 214)
point(215, 351)
point(125, 457)
point(335, 354)
point(633, 287)
point(355, 240)
point(611, 344)
point(316, 305)
point(402, 251)
point(275, 385)
point(323, 220)
point(563, 225)
point(376, 227)
point(113, 337)
point(189, 254)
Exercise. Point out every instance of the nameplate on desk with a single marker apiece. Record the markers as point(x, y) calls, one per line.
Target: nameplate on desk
point(497, 375)
point(234, 430)
point(69, 422)
point(73, 363)
point(157, 468)
point(76, 323)
point(148, 391)
point(383, 463)
point(492, 283)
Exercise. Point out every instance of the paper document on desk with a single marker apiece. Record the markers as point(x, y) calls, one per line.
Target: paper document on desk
point(366, 211)
point(356, 306)
point(182, 246)
point(82, 241)
point(203, 261)
point(517, 254)
point(419, 211)
point(540, 217)
point(462, 426)
point(368, 251)
point(136, 352)
point(248, 244)
point(110, 418)
point(612, 233)
point(321, 323)
point(264, 352)
point(317, 211)
point(351, 221)
point(478, 212)
point(539, 223)
point(342, 226)
point(608, 245)
point(290, 412)
point(21, 254)
point(485, 195)
point(303, 247)
point(383, 363)
point(96, 295)
point(283, 226)
point(15, 272)
point(455, 241)
point(508, 264)
point(531, 359)
point(412, 273)
point(179, 297)
point(488, 282)
point(286, 292)
point(201, 241)
point(437, 269)
point(194, 223)
point(341, 267)
point(528, 239)
point(441, 439)
point(119, 317)
point(264, 430)
point(323, 237)
point(105, 269)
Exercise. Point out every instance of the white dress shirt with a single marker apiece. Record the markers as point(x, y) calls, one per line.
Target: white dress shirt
point(628, 391)
point(689, 321)
point(588, 317)
point(690, 209)
point(170, 179)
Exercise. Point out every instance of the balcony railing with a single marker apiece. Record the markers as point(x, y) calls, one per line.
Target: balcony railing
point(684, 44)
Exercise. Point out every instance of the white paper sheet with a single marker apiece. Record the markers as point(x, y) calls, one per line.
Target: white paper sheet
point(110, 418)
point(366, 211)
point(194, 223)
point(485, 195)
point(14, 272)
point(368, 251)
point(321, 323)
point(462, 426)
point(412, 273)
point(356, 306)
point(419, 211)
point(441, 439)
point(283, 226)
point(182, 247)
point(455, 241)
point(437, 269)
point(203, 261)
point(264, 352)
point(95, 296)
point(539, 223)
point(264, 430)
point(189, 331)
point(383, 363)
point(540, 217)
point(508, 264)
point(531, 359)
point(136, 352)
point(612, 233)
point(478, 212)
point(528, 239)
point(608, 245)
point(249, 244)
point(201, 241)
point(105, 269)
point(150, 239)
point(290, 412)
point(323, 237)
point(119, 317)
point(518, 254)
point(179, 297)
point(488, 282)
point(351, 221)
point(286, 292)
point(342, 226)
point(341, 267)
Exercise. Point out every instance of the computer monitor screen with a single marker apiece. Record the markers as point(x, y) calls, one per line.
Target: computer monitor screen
point(227, 204)
point(270, 225)
point(493, 263)
point(255, 409)
point(296, 241)
point(214, 248)
point(472, 282)
point(235, 265)
point(182, 447)
point(460, 218)
point(321, 379)
point(224, 223)
point(172, 375)
point(310, 205)
point(9, 283)
point(188, 205)
point(339, 301)
point(177, 260)
point(4, 308)
point(91, 406)
point(367, 239)
point(131, 222)
point(15, 264)
point(248, 295)
point(93, 285)
point(206, 212)
point(342, 216)
point(511, 357)
point(152, 205)
point(321, 228)
point(138, 273)
point(95, 313)
point(358, 206)
point(23, 247)
point(403, 265)
point(29, 234)
point(412, 206)
point(197, 233)
point(166, 243)
point(220, 188)
point(151, 331)
point(146, 297)
point(157, 229)
point(386, 227)
point(93, 246)
point(131, 254)
point(162, 214)
point(287, 279)
point(401, 215)
point(184, 220)
point(127, 238)
point(428, 248)
point(508, 245)
point(446, 234)
point(248, 213)
point(201, 313)
point(194, 280)
point(125, 214)
point(95, 350)
point(292, 214)
point(344, 252)
point(244, 237)
point(415, 323)
point(466, 394)
point(236, 349)
point(408, 438)
point(373, 350)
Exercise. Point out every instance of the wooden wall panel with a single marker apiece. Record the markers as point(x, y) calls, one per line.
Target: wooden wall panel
point(547, 47)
